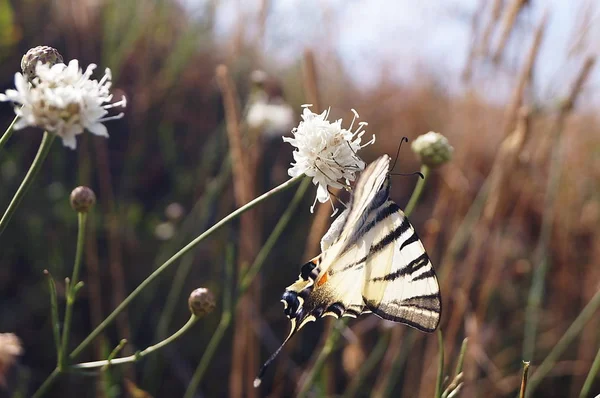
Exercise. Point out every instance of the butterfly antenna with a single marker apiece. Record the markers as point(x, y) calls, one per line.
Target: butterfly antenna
point(404, 139)
point(416, 173)
point(263, 368)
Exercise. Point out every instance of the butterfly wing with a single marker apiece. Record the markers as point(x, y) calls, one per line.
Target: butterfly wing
point(400, 283)
point(331, 283)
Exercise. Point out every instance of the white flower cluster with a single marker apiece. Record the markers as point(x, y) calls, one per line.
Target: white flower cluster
point(63, 100)
point(326, 152)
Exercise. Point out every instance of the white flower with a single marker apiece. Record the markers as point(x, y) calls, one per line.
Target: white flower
point(63, 100)
point(273, 119)
point(326, 152)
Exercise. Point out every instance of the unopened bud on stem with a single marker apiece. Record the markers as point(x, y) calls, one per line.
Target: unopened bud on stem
point(433, 149)
point(82, 199)
point(201, 302)
point(43, 54)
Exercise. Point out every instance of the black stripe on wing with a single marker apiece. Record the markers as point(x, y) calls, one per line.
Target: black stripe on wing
point(390, 238)
point(409, 269)
point(430, 302)
point(420, 326)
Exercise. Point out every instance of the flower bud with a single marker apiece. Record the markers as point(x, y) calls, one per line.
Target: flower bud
point(43, 54)
point(82, 199)
point(201, 302)
point(433, 149)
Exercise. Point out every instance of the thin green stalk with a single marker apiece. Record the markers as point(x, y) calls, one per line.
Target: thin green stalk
point(524, 379)
point(539, 277)
point(461, 357)
point(175, 257)
point(47, 384)
point(72, 290)
point(589, 380)
point(458, 376)
point(138, 355)
point(372, 361)
point(414, 198)
point(8, 133)
point(546, 366)
point(440, 375)
point(29, 177)
point(328, 348)
point(262, 255)
point(216, 338)
point(395, 371)
point(245, 283)
point(54, 315)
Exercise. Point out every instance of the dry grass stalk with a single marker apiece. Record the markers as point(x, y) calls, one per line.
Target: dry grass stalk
point(310, 81)
point(589, 336)
point(117, 274)
point(504, 164)
point(543, 148)
point(245, 358)
point(475, 18)
point(490, 26)
point(93, 281)
point(508, 23)
point(518, 98)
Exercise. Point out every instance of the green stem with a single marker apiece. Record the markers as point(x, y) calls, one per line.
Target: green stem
point(440, 375)
point(226, 317)
point(327, 349)
point(8, 133)
point(175, 257)
point(546, 366)
point(536, 291)
point(589, 380)
point(461, 357)
point(47, 384)
point(414, 198)
point(211, 348)
point(72, 290)
point(245, 283)
point(395, 372)
point(373, 360)
point(261, 257)
point(29, 177)
point(54, 315)
point(139, 355)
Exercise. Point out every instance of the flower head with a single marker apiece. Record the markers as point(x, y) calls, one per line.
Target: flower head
point(433, 149)
point(326, 152)
point(62, 99)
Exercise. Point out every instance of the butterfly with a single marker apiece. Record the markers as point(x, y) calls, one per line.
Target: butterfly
point(372, 261)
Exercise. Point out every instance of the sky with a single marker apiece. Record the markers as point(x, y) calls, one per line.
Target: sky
point(409, 35)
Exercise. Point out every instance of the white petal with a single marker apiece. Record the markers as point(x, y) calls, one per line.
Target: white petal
point(69, 141)
point(98, 129)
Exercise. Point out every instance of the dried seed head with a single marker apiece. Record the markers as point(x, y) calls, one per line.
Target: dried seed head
point(43, 54)
point(82, 199)
point(201, 302)
point(433, 149)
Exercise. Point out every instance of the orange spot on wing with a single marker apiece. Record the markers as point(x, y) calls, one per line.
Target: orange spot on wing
point(322, 280)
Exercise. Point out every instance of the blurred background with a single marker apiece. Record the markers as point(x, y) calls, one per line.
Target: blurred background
point(512, 223)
